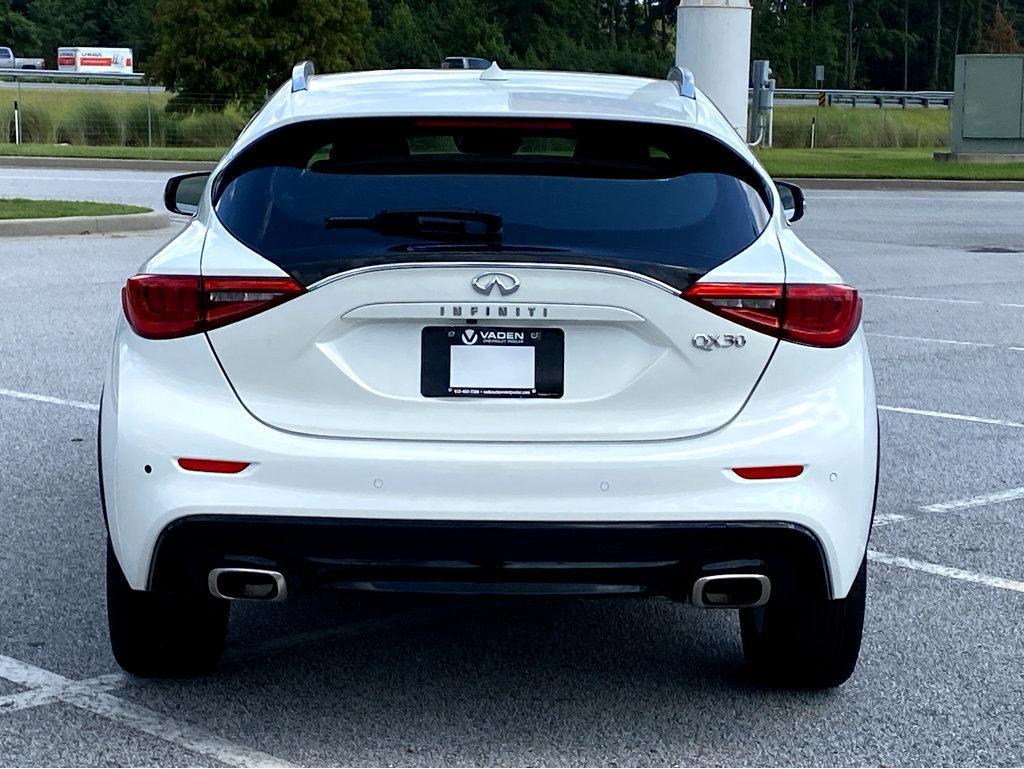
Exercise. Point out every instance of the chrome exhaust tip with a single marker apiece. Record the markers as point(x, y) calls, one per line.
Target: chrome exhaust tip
point(731, 591)
point(248, 585)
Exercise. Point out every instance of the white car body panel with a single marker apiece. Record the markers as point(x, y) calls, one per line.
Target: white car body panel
point(802, 264)
point(182, 255)
point(224, 255)
point(324, 371)
point(622, 447)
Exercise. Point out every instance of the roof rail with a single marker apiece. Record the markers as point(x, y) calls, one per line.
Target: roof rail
point(301, 73)
point(684, 82)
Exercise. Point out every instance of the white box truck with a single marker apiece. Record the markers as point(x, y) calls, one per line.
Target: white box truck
point(99, 61)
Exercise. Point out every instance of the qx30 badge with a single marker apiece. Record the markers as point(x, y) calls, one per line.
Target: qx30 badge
point(708, 342)
point(485, 283)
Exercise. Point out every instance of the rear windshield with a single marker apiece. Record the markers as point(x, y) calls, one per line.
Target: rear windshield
point(323, 197)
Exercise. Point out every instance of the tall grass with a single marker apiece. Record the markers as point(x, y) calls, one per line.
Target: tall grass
point(117, 119)
point(126, 119)
point(839, 127)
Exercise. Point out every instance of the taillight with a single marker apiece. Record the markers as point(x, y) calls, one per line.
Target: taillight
point(162, 306)
point(231, 299)
point(821, 315)
point(168, 306)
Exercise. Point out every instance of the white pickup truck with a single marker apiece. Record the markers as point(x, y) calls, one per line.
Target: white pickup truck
point(9, 61)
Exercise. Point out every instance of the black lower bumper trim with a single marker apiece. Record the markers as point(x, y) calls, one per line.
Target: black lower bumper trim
point(488, 557)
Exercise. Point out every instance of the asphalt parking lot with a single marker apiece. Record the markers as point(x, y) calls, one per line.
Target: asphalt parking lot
point(330, 679)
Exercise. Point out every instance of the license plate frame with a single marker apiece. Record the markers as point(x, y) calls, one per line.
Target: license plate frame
point(436, 361)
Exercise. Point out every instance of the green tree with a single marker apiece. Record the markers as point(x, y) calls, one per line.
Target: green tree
point(128, 24)
point(402, 41)
point(466, 28)
point(62, 22)
point(17, 30)
point(237, 50)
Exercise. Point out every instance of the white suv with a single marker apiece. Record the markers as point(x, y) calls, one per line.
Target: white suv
point(485, 332)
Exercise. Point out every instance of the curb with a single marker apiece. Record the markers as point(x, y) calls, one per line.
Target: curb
point(83, 225)
point(883, 185)
point(111, 164)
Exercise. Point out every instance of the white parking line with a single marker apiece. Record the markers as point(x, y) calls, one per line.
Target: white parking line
point(944, 341)
point(979, 501)
point(946, 415)
point(47, 695)
point(91, 695)
point(169, 730)
point(942, 300)
point(945, 571)
point(884, 519)
point(48, 399)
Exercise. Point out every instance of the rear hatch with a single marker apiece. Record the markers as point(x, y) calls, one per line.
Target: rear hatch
point(493, 280)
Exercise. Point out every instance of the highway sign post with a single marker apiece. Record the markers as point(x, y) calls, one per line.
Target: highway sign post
point(819, 78)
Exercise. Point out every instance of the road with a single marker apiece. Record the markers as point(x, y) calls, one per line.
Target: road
point(142, 188)
point(330, 679)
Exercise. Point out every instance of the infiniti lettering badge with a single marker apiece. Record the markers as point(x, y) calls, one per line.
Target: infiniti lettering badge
point(485, 283)
point(708, 342)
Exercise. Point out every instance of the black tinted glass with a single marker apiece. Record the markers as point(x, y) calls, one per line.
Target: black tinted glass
point(669, 202)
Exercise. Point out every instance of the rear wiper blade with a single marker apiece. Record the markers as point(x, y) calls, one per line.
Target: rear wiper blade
point(434, 223)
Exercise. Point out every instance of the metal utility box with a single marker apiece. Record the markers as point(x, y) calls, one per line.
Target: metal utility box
point(988, 106)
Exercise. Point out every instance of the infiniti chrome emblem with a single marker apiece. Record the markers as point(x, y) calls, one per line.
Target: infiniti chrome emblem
point(485, 283)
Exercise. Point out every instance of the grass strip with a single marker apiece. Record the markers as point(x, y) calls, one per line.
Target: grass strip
point(125, 153)
point(862, 163)
point(23, 208)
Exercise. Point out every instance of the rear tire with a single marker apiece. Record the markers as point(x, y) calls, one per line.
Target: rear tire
point(157, 634)
point(806, 644)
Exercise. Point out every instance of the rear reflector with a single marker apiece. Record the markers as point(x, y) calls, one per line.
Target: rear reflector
point(211, 465)
point(820, 315)
point(769, 472)
point(169, 306)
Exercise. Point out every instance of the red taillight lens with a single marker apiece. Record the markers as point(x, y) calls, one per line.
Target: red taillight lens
point(755, 305)
point(162, 306)
point(231, 299)
point(168, 306)
point(821, 315)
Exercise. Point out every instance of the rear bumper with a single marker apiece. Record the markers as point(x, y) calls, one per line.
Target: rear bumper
point(168, 399)
point(490, 557)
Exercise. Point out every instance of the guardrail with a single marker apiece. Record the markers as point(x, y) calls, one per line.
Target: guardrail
point(852, 98)
point(56, 74)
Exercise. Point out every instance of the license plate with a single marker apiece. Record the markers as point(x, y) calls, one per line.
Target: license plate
point(487, 362)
